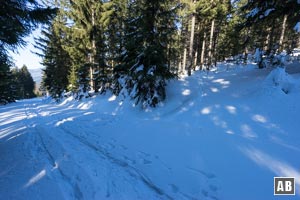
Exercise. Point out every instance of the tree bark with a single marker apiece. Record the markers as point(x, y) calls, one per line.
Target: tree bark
point(184, 60)
point(281, 46)
point(92, 56)
point(271, 36)
point(211, 44)
point(184, 35)
point(215, 44)
point(268, 40)
point(179, 65)
point(195, 60)
point(197, 49)
point(202, 51)
point(191, 44)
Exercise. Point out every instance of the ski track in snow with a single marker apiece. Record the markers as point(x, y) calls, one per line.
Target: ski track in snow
point(46, 140)
point(43, 133)
point(36, 136)
point(206, 142)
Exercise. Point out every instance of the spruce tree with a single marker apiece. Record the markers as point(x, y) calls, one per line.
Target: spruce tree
point(271, 23)
point(55, 59)
point(17, 20)
point(6, 95)
point(86, 33)
point(149, 25)
point(23, 16)
point(23, 83)
point(28, 82)
point(113, 23)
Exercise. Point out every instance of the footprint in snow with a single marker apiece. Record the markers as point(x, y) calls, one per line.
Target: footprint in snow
point(143, 158)
point(143, 153)
point(146, 162)
point(206, 174)
point(174, 188)
point(213, 188)
point(123, 147)
point(162, 162)
point(129, 160)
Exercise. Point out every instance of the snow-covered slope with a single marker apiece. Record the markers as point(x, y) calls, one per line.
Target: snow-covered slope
point(220, 135)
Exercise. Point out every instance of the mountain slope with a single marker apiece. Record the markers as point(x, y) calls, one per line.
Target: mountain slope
point(220, 135)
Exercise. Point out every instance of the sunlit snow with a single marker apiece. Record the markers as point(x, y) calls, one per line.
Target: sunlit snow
point(218, 135)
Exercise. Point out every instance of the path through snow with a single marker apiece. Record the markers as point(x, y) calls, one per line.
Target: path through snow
point(220, 135)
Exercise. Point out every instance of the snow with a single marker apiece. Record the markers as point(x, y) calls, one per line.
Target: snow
point(279, 79)
point(268, 11)
point(297, 27)
point(151, 70)
point(257, 55)
point(139, 68)
point(219, 135)
point(253, 12)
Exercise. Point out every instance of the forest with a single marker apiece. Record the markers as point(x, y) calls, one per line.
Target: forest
point(133, 47)
point(151, 99)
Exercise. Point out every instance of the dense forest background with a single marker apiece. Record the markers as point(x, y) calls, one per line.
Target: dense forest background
point(133, 47)
point(17, 20)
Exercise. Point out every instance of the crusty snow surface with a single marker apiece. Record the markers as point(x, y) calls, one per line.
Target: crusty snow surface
point(219, 135)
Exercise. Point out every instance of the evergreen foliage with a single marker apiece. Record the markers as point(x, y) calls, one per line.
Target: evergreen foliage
point(269, 23)
point(23, 84)
point(17, 20)
point(6, 95)
point(150, 25)
point(56, 61)
point(134, 47)
point(23, 16)
point(87, 32)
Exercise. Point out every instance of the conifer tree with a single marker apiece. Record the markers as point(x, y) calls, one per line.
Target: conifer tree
point(6, 95)
point(86, 33)
point(133, 47)
point(233, 40)
point(17, 20)
point(275, 18)
point(112, 20)
point(23, 16)
point(55, 59)
point(149, 27)
point(215, 13)
point(23, 83)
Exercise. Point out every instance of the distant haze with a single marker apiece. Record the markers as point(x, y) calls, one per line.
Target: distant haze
point(36, 75)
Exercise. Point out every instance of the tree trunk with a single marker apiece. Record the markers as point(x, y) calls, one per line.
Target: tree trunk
point(179, 65)
point(195, 60)
point(184, 60)
point(197, 49)
point(191, 44)
point(92, 56)
point(215, 44)
point(281, 46)
point(268, 40)
point(245, 59)
point(185, 41)
point(271, 36)
point(91, 72)
point(211, 44)
point(169, 57)
point(202, 51)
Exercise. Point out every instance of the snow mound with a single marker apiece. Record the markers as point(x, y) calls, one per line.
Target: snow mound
point(279, 80)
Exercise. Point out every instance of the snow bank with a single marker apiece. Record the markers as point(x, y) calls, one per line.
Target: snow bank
point(206, 141)
point(279, 80)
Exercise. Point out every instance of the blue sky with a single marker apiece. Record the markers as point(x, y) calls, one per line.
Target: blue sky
point(25, 56)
